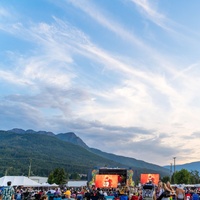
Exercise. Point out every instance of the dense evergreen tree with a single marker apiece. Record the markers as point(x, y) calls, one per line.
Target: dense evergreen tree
point(57, 176)
point(75, 176)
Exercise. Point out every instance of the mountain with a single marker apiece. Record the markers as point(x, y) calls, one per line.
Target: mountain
point(45, 151)
point(139, 164)
point(21, 131)
point(72, 138)
point(189, 166)
point(67, 137)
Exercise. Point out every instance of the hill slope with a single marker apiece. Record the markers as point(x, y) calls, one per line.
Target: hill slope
point(72, 138)
point(141, 166)
point(45, 154)
point(48, 151)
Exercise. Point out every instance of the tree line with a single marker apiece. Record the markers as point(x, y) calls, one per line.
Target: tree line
point(183, 177)
point(60, 176)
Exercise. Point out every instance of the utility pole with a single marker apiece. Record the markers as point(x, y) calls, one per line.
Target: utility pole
point(29, 169)
point(6, 172)
point(170, 172)
point(174, 164)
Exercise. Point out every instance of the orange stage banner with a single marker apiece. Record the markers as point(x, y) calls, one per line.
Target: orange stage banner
point(106, 181)
point(146, 178)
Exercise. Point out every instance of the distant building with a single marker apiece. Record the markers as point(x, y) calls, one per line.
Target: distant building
point(39, 179)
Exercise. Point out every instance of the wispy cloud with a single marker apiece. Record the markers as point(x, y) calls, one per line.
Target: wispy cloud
point(151, 13)
point(71, 81)
point(177, 31)
point(106, 20)
point(49, 36)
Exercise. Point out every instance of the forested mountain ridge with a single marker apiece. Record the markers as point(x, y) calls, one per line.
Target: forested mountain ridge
point(46, 151)
point(132, 162)
point(68, 137)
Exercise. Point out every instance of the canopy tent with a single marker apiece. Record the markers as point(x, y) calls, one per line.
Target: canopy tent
point(196, 185)
point(54, 185)
point(45, 185)
point(49, 185)
point(18, 180)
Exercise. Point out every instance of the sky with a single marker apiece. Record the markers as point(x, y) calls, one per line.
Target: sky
point(123, 75)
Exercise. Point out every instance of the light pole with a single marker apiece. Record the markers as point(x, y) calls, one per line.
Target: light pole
point(174, 164)
point(170, 172)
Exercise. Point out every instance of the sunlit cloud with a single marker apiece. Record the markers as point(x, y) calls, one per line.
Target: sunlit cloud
point(73, 82)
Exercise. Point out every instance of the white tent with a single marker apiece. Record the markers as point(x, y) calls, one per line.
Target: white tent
point(39, 179)
point(54, 185)
point(49, 185)
point(45, 185)
point(18, 180)
point(76, 183)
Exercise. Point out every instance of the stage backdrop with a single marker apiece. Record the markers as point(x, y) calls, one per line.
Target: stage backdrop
point(145, 178)
point(106, 181)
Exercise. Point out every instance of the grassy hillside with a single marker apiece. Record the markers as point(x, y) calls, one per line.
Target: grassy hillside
point(45, 153)
point(139, 165)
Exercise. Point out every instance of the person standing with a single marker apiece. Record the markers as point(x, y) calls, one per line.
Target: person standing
point(68, 195)
point(168, 191)
point(8, 192)
point(180, 193)
point(158, 191)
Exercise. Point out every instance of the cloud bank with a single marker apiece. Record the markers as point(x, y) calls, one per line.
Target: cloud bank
point(119, 78)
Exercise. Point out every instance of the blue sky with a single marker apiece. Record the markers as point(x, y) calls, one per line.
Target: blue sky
point(123, 75)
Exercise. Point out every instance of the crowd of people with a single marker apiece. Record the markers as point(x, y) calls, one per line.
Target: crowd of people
point(64, 193)
point(162, 191)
